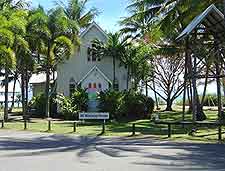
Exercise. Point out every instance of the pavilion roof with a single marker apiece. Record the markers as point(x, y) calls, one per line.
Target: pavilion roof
point(211, 18)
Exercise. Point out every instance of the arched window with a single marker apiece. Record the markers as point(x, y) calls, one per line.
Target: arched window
point(99, 85)
point(72, 86)
point(91, 56)
point(94, 86)
point(89, 85)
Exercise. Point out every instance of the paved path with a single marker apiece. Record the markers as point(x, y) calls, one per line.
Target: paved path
point(26, 151)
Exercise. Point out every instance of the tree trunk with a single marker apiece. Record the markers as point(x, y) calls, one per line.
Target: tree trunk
point(146, 88)
point(114, 72)
point(169, 105)
point(6, 94)
point(14, 89)
point(189, 95)
point(23, 93)
point(47, 82)
point(205, 87)
point(27, 88)
point(128, 77)
point(156, 98)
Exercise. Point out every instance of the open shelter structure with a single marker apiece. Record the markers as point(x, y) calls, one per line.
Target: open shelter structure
point(204, 41)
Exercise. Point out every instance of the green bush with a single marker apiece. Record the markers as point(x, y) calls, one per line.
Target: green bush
point(71, 106)
point(127, 105)
point(110, 101)
point(36, 106)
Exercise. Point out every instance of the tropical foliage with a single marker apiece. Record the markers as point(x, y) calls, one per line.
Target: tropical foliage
point(115, 47)
point(127, 105)
point(71, 106)
point(35, 40)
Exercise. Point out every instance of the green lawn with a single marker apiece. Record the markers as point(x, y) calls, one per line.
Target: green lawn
point(143, 127)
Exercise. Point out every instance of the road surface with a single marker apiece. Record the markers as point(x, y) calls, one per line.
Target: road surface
point(26, 151)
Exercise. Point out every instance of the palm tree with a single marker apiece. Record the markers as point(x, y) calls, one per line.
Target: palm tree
point(140, 19)
point(12, 30)
point(75, 10)
point(115, 47)
point(171, 15)
point(55, 31)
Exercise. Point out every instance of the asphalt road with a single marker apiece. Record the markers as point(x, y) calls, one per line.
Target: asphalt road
point(26, 151)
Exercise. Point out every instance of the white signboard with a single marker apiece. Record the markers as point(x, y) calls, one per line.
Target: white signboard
point(95, 116)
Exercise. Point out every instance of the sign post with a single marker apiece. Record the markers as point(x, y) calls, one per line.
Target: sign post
point(95, 116)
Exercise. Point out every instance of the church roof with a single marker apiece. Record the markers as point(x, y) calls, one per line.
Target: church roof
point(97, 69)
point(93, 24)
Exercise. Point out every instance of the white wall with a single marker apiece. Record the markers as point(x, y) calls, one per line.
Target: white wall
point(78, 65)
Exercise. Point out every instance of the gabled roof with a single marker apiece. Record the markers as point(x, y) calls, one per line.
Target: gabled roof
point(211, 18)
point(95, 68)
point(93, 24)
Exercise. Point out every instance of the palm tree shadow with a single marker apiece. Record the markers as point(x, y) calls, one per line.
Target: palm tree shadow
point(210, 155)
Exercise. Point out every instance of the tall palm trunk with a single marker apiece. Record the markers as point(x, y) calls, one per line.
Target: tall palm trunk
point(23, 93)
point(128, 77)
point(27, 87)
point(14, 89)
point(114, 72)
point(47, 81)
point(6, 94)
point(146, 88)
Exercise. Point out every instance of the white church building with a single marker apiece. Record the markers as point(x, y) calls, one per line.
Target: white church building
point(85, 70)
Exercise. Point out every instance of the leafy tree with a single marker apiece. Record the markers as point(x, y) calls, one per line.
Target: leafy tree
point(56, 34)
point(140, 19)
point(115, 47)
point(13, 27)
point(136, 59)
point(75, 10)
point(168, 72)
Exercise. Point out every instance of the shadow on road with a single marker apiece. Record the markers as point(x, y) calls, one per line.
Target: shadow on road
point(162, 153)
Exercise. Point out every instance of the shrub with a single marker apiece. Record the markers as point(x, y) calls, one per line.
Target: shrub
point(36, 106)
point(80, 99)
point(110, 101)
point(128, 105)
point(71, 106)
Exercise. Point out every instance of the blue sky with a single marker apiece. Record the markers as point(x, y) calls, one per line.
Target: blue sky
point(110, 11)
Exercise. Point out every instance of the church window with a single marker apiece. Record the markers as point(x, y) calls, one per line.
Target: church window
point(89, 85)
point(95, 86)
point(99, 85)
point(91, 56)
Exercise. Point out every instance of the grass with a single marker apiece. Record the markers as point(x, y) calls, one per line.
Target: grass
point(143, 127)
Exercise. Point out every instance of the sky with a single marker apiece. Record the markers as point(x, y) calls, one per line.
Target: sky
point(111, 11)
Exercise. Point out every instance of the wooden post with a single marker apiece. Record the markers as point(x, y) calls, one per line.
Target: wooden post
point(185, 80)
point(169, 130)
point(49, 124)
point(218, 82)
point(25, 124)
point(74, 127)
point(194, 84)
point(133, 129)
point(3, 123)
point(103, 127)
